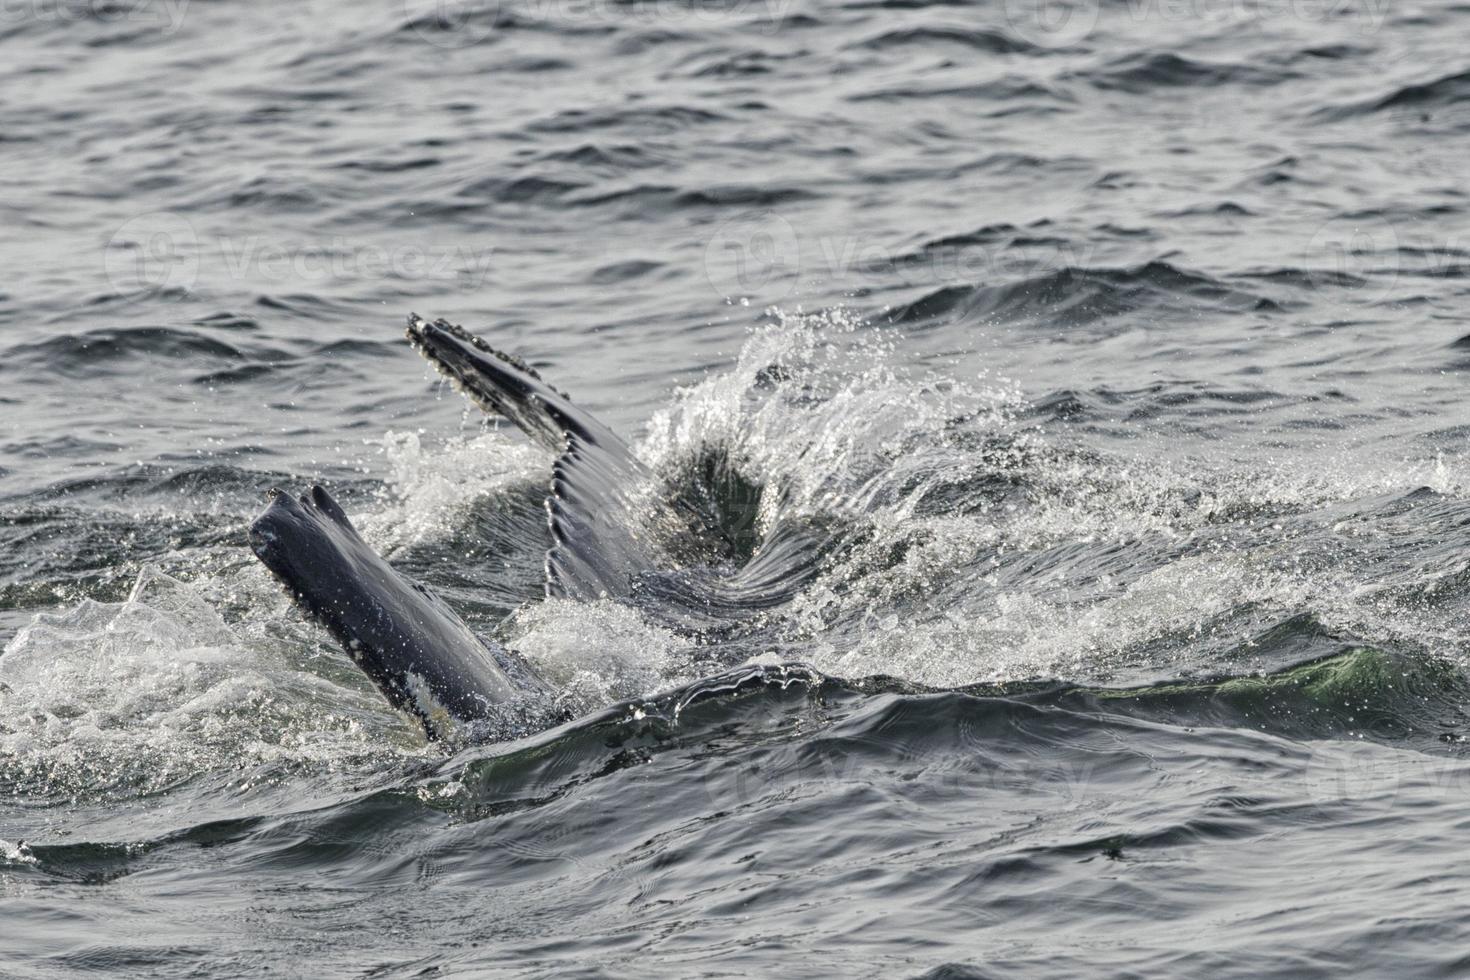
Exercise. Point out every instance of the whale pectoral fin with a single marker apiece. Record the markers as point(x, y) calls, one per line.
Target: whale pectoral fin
point(421, 655)
point(603, 507)
point(602, 521)
point(503, 384)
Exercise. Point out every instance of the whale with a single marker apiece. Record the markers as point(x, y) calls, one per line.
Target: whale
point(603, 511)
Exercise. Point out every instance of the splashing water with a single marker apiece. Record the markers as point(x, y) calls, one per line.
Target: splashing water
point(145, 695)
point(428, 491)
point(964, 543)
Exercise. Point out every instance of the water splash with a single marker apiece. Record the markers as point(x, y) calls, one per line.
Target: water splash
point(967, 542)
point(598, 652)
point(137, 697)
point(17, 853)
point(971, 544)
point(428, 490)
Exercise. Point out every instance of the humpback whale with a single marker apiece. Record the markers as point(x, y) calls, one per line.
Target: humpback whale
point(604, 518)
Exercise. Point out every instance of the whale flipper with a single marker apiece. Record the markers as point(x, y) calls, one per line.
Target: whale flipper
point(422, 656)
point(604, 509)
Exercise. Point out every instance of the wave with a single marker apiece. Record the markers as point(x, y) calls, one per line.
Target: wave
point(650, 121)
point(1081, 295)
point(391, 165)
point(521, 190)
point(143, 696)
point(1166, 650)
point(610, 158)
point(1146, 72)
point(640, 198)
point(903, 543)
point(1005, 93)
point(730, 63)
point(932, 37)
point(267, 194)
point(760, 728)
point(1443, 92)
point(1003, 233)
point(103, 350)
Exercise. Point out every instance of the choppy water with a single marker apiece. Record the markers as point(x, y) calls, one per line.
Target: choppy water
point(1111, 354)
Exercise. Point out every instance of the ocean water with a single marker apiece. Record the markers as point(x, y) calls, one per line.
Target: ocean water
point(1107, 358)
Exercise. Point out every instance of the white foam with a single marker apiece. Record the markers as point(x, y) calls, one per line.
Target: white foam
point(847, 435)
point(428, 491)
point(935, 486)
point(16, 853)
point(597, 652)
point(135, 696)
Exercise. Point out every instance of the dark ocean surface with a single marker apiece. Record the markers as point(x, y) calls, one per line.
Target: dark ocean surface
point(1112, 354)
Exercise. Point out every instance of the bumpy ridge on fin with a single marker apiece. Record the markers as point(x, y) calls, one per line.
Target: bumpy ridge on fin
point(455, 330)
point(600, 507)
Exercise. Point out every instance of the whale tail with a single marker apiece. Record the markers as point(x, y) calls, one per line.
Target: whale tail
point(606, 513)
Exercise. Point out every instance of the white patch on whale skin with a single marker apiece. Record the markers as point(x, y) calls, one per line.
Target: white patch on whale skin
point(437, 718)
